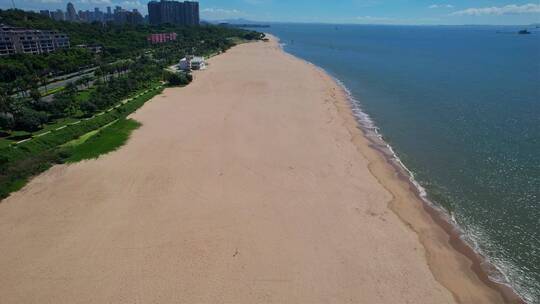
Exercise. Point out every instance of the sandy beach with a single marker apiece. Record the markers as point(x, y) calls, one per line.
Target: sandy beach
point(251, 185)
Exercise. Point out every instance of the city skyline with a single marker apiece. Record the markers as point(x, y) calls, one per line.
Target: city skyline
point(422, 12)
point(116, 14)
point(175, 12)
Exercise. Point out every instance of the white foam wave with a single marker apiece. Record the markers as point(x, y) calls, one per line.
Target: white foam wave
point(368, 125)
point(471, 238)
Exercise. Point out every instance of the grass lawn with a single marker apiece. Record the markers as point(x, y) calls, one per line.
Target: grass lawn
point(4, 142)
point(8, 138)
point(52, 91)
point(84, 95)
point(32, 158)
point(238, 40)
point(102, 141)
point(56, 124)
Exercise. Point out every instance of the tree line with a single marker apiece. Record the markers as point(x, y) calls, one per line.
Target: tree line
point(111, 84)
point(118, 42)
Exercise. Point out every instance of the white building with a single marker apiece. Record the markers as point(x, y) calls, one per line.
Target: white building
point(192, 63)
point(198, 63)
point(184, 64)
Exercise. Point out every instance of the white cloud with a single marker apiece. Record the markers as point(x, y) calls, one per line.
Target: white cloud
point(511, 9)
point(95, 2)
point(392, 20)
point(46, 1)
point(373, 19)
point(133, 3)
point(441, 6)
point(254, 2)
point(221, 13)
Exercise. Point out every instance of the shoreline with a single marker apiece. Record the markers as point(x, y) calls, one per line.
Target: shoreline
point(479, 264)
point(217, 199)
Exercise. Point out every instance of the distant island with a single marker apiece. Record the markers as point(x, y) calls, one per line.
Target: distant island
point(245, 25)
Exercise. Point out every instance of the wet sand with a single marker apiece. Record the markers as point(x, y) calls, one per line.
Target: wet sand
point(251, 185)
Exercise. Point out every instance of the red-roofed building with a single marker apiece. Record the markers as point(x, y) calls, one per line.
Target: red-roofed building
point(161, 37)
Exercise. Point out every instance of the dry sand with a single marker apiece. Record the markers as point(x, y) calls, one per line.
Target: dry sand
point(251, 185)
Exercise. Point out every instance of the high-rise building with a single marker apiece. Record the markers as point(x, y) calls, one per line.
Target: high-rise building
point(191, 13)
point(45, 13)
point(154, 12)
point(98, 15)
point(108, 15)
point(83, 16)
point(122, 16)
point(118, 15)
point(58, 15)
point(71, 14)
point(136, 17)
point(168, 11)
point(182, 13)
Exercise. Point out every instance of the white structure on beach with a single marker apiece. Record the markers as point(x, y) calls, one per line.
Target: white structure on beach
point(192, 63)
point(198, 63)
point(184, 64)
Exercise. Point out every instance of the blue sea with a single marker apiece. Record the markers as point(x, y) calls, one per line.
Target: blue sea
point(460, 106)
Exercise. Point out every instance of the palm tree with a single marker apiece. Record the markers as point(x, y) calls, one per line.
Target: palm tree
point(43, 81)
point(19, 86)
point(6, 117)
point(28, 83)
point(79, 82)
point(86, 80)
point(100, 73)
point(5, 101)
point(71, 87)
point(35, 94)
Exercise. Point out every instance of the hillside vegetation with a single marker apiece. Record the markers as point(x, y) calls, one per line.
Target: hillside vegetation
point(118, 41)
point(87, 117)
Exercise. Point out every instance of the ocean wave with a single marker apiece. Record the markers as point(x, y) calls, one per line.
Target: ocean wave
point(496, 270)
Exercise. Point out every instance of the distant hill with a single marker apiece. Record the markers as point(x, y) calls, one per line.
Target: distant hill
point(236, 21)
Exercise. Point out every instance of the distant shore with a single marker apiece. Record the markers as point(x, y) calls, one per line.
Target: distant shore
point(251, 185)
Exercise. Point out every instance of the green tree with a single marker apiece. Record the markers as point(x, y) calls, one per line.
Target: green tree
point(7, 122)
point(30, 120)
point(5, 101)
point(35, 94)
point(99, 74)
point(71, 88)
point(86, 79)
point(176, 79)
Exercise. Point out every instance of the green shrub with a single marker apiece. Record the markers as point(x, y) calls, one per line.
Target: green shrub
point(177, 79)
point(7, 122)
point(88, 107)
point(106, 140)
point(18, 163)
point(30, 120)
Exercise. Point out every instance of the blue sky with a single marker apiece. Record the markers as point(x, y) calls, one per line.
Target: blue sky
point(337, 11)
